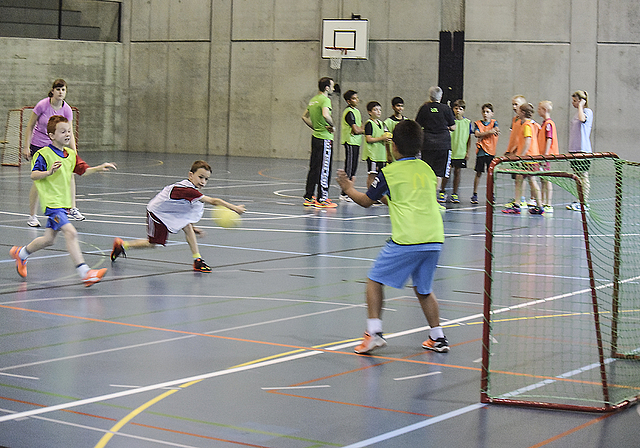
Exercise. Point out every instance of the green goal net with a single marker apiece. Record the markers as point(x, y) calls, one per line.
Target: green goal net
point(562, 289)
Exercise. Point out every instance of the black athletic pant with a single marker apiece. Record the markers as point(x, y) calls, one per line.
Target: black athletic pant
point(351, 157)
point(319, 169)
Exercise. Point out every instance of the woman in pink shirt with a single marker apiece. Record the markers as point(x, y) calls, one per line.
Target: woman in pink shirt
point(36, 137)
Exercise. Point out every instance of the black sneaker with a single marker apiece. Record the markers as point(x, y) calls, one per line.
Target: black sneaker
point(200, 266)
point(536, 210)
point(440, 345)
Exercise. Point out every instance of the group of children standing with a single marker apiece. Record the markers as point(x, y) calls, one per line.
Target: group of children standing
point(376, 149)
point(527, 138)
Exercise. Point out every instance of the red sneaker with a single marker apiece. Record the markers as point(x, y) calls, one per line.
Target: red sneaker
point(21, 265)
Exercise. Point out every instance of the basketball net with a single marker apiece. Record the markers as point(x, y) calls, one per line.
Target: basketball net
point(336, 61)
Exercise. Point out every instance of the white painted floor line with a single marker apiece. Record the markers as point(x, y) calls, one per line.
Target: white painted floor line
point(473, 407)
point(416, 426)
point(104, 431)
point(417, 376)
point(296, 387)
point(125, 386)
point(176, 382)
point(20, 376)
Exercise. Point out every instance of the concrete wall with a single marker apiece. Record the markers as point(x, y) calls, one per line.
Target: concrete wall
point(234, 76)
point(93, 73)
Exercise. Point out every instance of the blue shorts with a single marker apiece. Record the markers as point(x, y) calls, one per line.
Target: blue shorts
point(396, 263)
point(57, 218)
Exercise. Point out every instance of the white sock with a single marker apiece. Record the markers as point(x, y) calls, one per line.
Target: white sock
point(374, 326)
point(436, 333)
point(23, 254)
point(82, 270)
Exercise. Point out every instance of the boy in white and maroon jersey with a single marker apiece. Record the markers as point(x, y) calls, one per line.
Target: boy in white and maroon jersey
point(177, 207)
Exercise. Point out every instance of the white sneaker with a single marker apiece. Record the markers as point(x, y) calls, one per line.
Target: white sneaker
point(33, 221)
point(74, 214)
point(345, 198)
point(370, 342)
point(575, 206)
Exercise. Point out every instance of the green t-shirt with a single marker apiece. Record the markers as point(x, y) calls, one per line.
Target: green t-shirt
point(318, 121)
point(392, 121)
point(53, 190)
point(413, 209)
point(345, 133)
point(460, 138)
point(377, 152)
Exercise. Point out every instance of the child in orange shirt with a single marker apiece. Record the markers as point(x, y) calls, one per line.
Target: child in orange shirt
point(529, 129)
point(487, 132)
point(548, 146)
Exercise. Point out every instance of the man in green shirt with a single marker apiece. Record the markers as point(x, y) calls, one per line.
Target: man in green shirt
point(318, 117)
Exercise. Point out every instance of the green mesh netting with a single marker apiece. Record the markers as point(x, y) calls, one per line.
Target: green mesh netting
point(544, 344)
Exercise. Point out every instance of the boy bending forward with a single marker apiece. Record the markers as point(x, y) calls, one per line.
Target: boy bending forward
point(51, 170)
point(177, 207)
point(417, 234)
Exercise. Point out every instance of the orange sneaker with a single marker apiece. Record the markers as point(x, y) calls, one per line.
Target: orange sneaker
point(370, 343)
point(118, 249)
point(325, 204)
point(94, 276)
point(21, 265)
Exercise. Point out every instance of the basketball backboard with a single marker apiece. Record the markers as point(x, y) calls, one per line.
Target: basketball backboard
point(351, 37)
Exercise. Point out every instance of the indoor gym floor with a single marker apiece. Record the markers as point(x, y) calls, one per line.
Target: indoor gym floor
point(258, 353)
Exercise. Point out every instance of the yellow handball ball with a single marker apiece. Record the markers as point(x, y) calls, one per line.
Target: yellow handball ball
point(225, 217)
point(388, 135)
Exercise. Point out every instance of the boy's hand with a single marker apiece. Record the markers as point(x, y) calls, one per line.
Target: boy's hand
point(344, 181)
point(106, 166)
point(56, 165)
point(239, 209)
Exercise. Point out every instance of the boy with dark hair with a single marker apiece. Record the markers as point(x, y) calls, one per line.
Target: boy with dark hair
point(417, 234)
point(397, 104)
point(375, 137)
point(177, 207)
point(460, 146)
point(351, 136)
point(51, 171)
point(487, 132)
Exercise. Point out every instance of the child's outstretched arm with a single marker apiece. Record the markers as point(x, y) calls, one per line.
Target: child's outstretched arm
point(347, 185)
point(239, 209)
point(102, 167)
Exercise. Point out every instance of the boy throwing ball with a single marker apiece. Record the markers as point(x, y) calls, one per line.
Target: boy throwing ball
point(417, 234)
point(51, 170)
point(177, 207)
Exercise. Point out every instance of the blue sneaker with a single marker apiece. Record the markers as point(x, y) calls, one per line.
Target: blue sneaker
point(513, 210)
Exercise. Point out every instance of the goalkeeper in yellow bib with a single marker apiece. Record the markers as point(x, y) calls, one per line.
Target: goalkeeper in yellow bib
point(51, 170)
point(417, 235)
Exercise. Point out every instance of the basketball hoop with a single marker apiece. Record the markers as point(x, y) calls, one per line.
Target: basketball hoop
point(336, 61)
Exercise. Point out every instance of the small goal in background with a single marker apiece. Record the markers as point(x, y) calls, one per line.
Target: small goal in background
point(562, 290)
point(15, 134)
